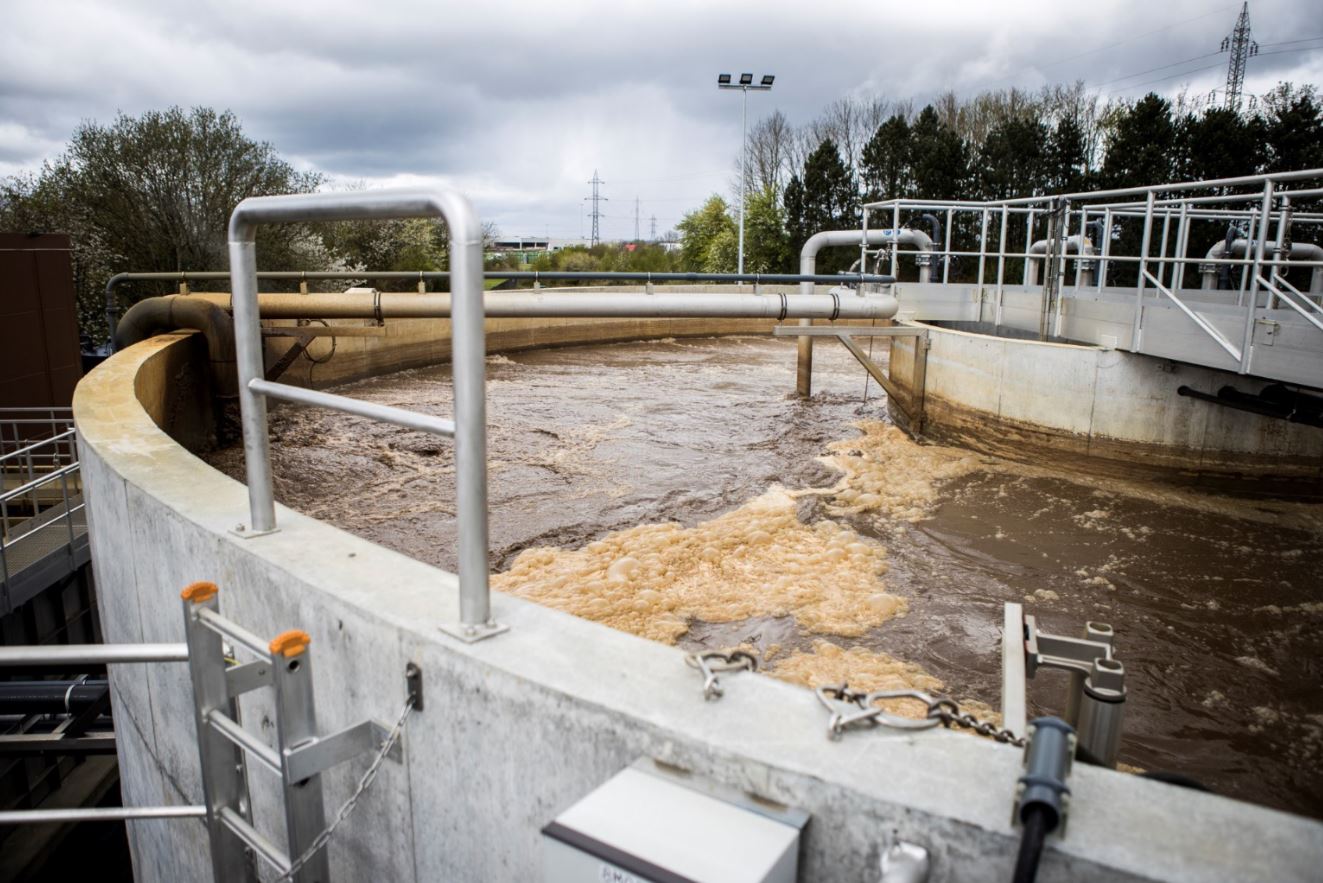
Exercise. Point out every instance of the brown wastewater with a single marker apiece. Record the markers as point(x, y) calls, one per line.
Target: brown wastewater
point(678, 490)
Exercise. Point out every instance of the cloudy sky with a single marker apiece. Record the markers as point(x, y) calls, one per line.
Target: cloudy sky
point(518, 103)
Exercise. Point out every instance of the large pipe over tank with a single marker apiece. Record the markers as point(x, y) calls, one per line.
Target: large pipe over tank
point(555, 304)
point(808, 264)
point(1300, 251)
point(1083, 247)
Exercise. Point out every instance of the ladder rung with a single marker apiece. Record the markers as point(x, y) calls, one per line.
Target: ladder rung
point(241, 737)
point(250, 835)
point(226, 629)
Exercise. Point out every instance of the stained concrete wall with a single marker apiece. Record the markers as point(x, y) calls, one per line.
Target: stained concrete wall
point(519, 727)
point(1024, 398)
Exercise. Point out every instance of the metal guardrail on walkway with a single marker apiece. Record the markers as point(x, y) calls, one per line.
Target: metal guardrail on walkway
point(1233, 311)
point(43, 525)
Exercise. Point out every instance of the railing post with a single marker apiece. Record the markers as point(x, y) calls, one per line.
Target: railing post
point(1182, 246)
point(1252, 302)
point(1143, 268)
point(1105, 249)
point(1001, 261)
point(1162, 250)
point(982, 254)
point(946, 254)
point(1028, 243)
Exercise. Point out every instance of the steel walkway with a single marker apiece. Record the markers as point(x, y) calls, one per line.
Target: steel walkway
point(1052, 267)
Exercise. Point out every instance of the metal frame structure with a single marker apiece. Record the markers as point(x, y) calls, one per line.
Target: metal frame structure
point(43, 528)
point(469, 428)
point(1232, 329)
point(1095, 695)
point(911, 403)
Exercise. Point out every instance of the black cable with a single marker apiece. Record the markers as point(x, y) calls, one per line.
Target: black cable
point(1035, 821)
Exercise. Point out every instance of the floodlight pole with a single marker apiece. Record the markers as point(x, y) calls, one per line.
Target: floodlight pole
point(744, 172)
point(744, 88)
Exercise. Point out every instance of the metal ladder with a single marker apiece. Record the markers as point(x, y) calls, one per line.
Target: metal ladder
point(300, 757)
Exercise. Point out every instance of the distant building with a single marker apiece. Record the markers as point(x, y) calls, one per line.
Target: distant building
point(527, 249)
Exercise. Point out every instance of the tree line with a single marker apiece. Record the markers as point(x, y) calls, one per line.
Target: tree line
point(997, 145)
point(154, 193)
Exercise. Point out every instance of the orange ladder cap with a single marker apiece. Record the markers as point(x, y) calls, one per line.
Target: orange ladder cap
point(290, 643)
point(199, 592)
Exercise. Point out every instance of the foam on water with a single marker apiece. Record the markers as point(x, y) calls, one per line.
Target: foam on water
point(757, 561)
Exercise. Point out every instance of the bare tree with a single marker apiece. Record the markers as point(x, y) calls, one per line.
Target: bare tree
point(771, 142)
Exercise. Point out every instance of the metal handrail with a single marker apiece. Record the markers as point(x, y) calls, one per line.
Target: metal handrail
point(468, 360)
point(1198, 320)
point(68, 433)
point(1290, 302)
point(22, 489)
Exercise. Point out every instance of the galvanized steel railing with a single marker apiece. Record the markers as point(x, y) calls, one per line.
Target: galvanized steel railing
point(468, 429)
point(1168, 212)
point(40, 491)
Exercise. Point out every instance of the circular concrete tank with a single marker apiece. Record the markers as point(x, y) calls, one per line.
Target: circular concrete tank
point(592, 697)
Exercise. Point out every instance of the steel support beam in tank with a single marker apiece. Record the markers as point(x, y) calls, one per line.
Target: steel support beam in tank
point(808, 264)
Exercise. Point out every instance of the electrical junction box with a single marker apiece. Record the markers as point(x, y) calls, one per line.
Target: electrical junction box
point(653, 823)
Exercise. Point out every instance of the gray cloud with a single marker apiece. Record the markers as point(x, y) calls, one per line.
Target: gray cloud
point(518, 103)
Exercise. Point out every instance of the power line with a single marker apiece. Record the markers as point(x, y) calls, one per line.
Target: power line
point(1169, 77)
point(1138, 36)
point(1158, 68)
point(1289, 51)
point(1290, 42)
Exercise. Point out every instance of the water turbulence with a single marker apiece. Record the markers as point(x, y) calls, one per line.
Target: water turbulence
point(677, 491)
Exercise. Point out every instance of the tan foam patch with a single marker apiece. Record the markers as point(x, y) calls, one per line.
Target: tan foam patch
point(758, 560)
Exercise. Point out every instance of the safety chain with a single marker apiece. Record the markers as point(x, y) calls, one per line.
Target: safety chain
point(712, 662)
point(364, 783)
point(949, 713)
point(855, 707)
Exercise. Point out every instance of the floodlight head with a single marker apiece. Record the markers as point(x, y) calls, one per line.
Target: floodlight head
point(723, 79)
point(767, 80)
point(746, 79)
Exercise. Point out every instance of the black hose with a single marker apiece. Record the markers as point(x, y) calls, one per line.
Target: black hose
point(1037, 821)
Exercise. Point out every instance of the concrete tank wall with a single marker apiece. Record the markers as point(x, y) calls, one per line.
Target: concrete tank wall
point(519, 727)
point(1116, 410)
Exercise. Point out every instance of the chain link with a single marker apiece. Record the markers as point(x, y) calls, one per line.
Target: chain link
point(712, 662)
point(852, 708)
point(949, 713)
point(320, 841)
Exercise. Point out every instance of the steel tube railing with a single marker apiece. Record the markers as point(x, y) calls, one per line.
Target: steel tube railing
point(1290, 302)
point(1198, 320)
point(468, 346)
point(69, 433)
point(100, 814)
point(65, 655)
point(373, 411)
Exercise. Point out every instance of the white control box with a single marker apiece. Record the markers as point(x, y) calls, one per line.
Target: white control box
point(652, 823)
